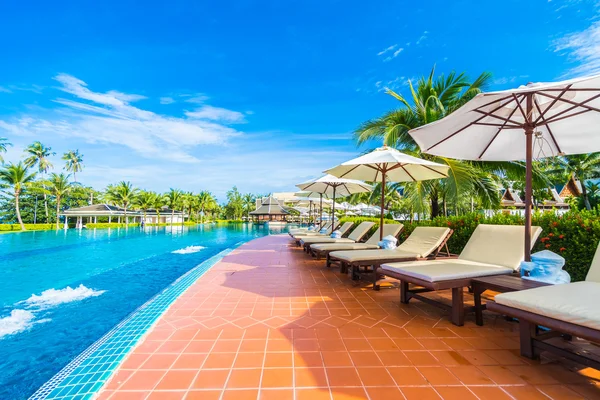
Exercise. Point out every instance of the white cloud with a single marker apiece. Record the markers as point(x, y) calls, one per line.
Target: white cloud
point(394, 55)
point(392, 47)
point(109, 118)
point(422, 38)
point(583, 48)
point(219, 114)
point(195, 98)
point(5, 90)
point(167, 100)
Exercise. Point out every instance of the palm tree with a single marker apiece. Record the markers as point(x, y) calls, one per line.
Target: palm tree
point(431, 99)
point(578, 167)
point(124, 195)
point(145, 200)
point(38, 155)
point(159, 201)
point(206, 202)
point(16, 176)
point(58, 186)
point(173, 201)
point(4, 143)
point(249, 200)
point(74, 162)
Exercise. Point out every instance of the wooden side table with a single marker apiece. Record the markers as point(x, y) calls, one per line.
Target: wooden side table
point(499, 283)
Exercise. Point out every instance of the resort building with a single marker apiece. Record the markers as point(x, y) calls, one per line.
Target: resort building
point(92, 212)
point(270, 210)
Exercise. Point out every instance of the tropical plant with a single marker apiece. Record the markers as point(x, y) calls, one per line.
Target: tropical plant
point(159, 202)
point(174, 201)
point(578, 167)
point(38, 154)
point(58, 186)
point(433, 98)
point(16, 177)
point(124, 195)
point(4, 143)
point(73, 162)
point(145, 200)
point(249, 203)
point(235, 204)
point(206, 202)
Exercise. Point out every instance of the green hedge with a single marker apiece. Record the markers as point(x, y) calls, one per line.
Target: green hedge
point(29, 227)
point(104, 225)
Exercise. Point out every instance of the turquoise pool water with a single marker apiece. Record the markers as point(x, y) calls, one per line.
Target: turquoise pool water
point(61, 291)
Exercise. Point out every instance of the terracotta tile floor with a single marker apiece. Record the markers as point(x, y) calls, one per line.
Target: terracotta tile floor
point(269, 322)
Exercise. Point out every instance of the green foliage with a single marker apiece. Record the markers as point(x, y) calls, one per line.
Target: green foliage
point(574, 235)
point(29, 227)
point(103, 225)
point(357, 220)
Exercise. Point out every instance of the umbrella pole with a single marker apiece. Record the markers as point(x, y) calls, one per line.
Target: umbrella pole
point(528, 176)
point(321, 210)
point(333, 212)
point(383, 172)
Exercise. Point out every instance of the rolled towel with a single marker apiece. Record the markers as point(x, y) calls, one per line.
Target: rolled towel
point(388, 242)
point(336, 234)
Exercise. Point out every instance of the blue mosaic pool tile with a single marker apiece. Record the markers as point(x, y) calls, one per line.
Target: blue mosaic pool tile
point(87, 373)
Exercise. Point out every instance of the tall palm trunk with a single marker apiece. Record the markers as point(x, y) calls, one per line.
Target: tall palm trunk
point(126, 217)
point(57, 210)
point(172, 215)
point(584, 193)
point(18, 211)
point(435, 206)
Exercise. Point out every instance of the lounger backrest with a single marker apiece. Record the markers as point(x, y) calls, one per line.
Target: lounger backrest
point(345, 228)
point(593, 274)
point(388, 229)
point(361, 230)
point(498, 245)
point(424, 240)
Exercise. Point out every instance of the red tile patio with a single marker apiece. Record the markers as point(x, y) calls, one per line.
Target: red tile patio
point(269, 322)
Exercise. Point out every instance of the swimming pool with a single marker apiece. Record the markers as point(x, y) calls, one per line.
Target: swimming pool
point(61, 291)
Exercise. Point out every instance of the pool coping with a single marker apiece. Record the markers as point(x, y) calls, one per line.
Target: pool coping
point(87, 373)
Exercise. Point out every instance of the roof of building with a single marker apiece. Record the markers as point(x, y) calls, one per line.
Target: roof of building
point(270, 206)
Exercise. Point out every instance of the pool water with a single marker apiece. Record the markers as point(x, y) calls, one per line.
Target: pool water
point(61, 291)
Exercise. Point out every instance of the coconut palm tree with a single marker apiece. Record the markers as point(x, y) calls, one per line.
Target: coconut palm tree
point(4, 144)
point(38, 154)
point(578, 167)
point(73, 162)
point(433, 98)
point(58, 186)
point(206, 202)
point(173, 201)
point(159, 202)
point(249, 200)
point(16, 176)
point(144, 201)
point(123, 194)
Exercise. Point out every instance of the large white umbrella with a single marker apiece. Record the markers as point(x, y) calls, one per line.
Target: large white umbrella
point(386, 164)
point(534, 121)
point(310, 196)
point(334, 187)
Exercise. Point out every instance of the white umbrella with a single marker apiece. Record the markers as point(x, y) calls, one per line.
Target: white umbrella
point(534, 121)
point(387, 164)
point(310, 196)
point(334, 187)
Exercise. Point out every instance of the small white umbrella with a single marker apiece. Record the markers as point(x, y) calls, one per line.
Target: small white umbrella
point(310, 196)
point(534, 121)
point(387, 164)
point(334, 187)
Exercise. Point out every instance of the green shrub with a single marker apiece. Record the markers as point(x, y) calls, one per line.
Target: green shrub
point(29, 227)
point(104, 225)
point(357, 220)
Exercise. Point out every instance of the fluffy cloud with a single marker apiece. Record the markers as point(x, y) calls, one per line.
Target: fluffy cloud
point(387, 49)
point(583, 48)
point(110, 118)
point(218, 114)
point(167, 100)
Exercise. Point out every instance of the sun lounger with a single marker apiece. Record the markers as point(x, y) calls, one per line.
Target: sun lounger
point(300, 231)
point(491, 250)
point(355, 236)
point(323, 249)
point(423, 242)
point(343, 230)
point(570, 309)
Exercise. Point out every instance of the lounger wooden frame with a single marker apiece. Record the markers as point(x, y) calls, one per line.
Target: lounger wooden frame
point(297, 241)
point(325, 253)
point(533, 342)
point(353, 267)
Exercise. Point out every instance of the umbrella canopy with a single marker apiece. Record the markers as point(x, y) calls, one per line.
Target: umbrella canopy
point(387, 164)
point(334, 187)
point(534, 121)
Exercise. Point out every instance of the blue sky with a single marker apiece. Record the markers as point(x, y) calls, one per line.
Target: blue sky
point(262, 95)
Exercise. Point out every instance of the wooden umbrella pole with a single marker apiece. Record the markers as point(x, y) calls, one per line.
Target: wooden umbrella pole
point(383, 172)
point(528, 174)
point(320, 210)
point(333, 211)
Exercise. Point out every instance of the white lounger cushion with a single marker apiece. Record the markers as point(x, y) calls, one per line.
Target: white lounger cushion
point(388, 230)
point(443, 270)
point(343, 246)
point(360, 231)
point(576, 303)
point(421, 242)
point(326, 239)
point(373, 255)
point(500, 245)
